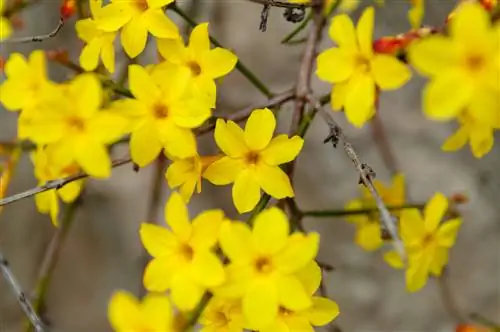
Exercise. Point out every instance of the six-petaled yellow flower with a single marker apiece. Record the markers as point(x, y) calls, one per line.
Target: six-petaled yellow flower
point(99, 43)
point(263, 263)
point(368, 234)
point(136, 18)
point(252, 159)
point(127, 314)
point(427, 242)
point(356, 70)
point(204, 64)
point(184, 260)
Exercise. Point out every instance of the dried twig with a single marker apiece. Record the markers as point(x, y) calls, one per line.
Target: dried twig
point(281, 4)
point(39, 38)
point(365, 172)
point(20, 295)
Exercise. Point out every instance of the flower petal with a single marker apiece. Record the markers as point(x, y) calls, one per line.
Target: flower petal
point(123, 311)
point(481, 140)
point(259, 129)
point(364, 31)
point(230, 138)
point(393, 258)
point(342, 32)
point(157, 275)
point(338, 95)
point(246, 191)
point(282, 150)
point(178, 142)
point(108, 56)
point(389, 73)
point(335, 65)
point(292, 294)
point(186, 294)
point(236, 242)
point(412, 226)
point(89, 58)
point(447, 233)
point(112, 17)
point(457, 140)
point(134, 36)
point(88, 89)
point(466, 33)
point(260, 303)
point(144, 144)
point(274, 181)
point(219, 62)
point(160, 25)
point(298, 252)
point(157, 311)
point(207, 269)
point(198, 40)
point(176, 215)
point(206, 227)
point(360, 100)
point(107, 127)
point(323, 311)
point(224, 171)
point(434, 211)
point(94, 159)
point(310, 276)
point(417, 274)
point(142, 85)
point(368, 236)
point(270, 231)
point(427, 55)
point(157, 240)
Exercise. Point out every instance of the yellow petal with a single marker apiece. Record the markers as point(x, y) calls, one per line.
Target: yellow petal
point(157, 240)
point(393, 258)
point(282, 150)
point(439, 261)
point(466, 33)
point(93, 158)
point(299, 251)
point(157, 311)
point(207, 269)
point(259, 129)
point(246, 191)
point(89, 58)
point(434, 211)
point(335, 65)
point(86, 29)
point(274, 181)
point(173, 50)
point(5, 28)
point(447, 233)
point(260, 303)
point(427, 55)
point(457, 140)
point(323, 311)
point(160, 25)
point(342, 32)
point(360, 100)
point(398, 188)
point(158, 3)
point(485, 106)
point(179, 142)
point(144, 144)
point(219, 62)
point(88, 89)
point(415, 14)
point(481, 141)
point(112, 17)
point(417, 275)
point(224, 171)
point(338, 95)
point(107, 127)
point(180, 171)
point(364, 31)
point(198, 40)
point(206, 228)
point(310, 277)
point(70, 192)
point(176, 215)
point(389, 73)
point(123, 311)
point(186, 294)
point(270, 231)
point(412, 226)
point(368, 236)
point(108, 56)
point(230, 138)
point(236, 242)
point(134, 36)
point(292, 294)
point(157, 275)
point(446, 96)
point(141, 84)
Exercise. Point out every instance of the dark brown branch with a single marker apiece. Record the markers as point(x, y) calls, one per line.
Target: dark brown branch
point(281, 4)
point(39, 38)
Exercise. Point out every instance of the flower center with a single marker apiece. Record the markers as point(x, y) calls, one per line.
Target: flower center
point(142, 5)
point(475, 62)
point(362, 63)
point(160, 111)
point(428, 239)
point(263, 265)
point(252, 158)
point(284, 311)
point(187, 252)
point(76, 123)
point(194, 67)
point(221, 319)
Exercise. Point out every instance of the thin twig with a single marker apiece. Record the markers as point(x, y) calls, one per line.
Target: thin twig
point(39, 38)
point(448, 298)
point(20, 295)
point(365, 172)
point(383, 144)
point(281, 4)
point(343, 213)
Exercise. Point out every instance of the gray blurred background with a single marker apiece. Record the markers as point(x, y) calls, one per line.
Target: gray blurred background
point(102, 250)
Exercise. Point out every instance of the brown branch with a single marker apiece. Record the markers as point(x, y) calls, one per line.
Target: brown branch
point(365, 172)
point(380, 136)
point(281, 4)
point(39, 38)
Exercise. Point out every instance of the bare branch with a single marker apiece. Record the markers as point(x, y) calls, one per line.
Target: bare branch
point(281, 4)
point(365, 172)
point(39, 38)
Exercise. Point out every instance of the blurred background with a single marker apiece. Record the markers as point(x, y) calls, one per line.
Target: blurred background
point(102, 250)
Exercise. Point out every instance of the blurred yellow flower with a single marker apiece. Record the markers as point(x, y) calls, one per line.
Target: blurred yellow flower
point(154, 313)
point(5, 26)
point(356, 70)
point(368, 224)
point(263, 264)
point(416, 13)
point(252, 159)
point(222, 315)
point(184, 260)
point(427, 242)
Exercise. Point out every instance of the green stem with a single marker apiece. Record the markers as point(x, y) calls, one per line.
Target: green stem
point(244, 70)
point(297, 30)
point(261, 205)
point(343, 212)
point(477, 317)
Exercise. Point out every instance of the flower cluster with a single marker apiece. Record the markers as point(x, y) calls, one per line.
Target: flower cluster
point(266, 282)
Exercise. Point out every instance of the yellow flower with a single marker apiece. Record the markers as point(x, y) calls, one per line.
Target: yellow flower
point(222, 315)
point(321, 312)
point(46, 170)
point(356, 70)
point(183, 258)
point(479, 135)
point(463, 67)
point(153, 313)
point(416, 13)
point(75, 127)
point(186, 174)
point(263, 264)
point(204, 64)
point(5, 26)
point(27, 84)
point(252, 159)
point(98, 42)
point(137, 17)
point(368, 225)
point(426, 241)
point(164, 112)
